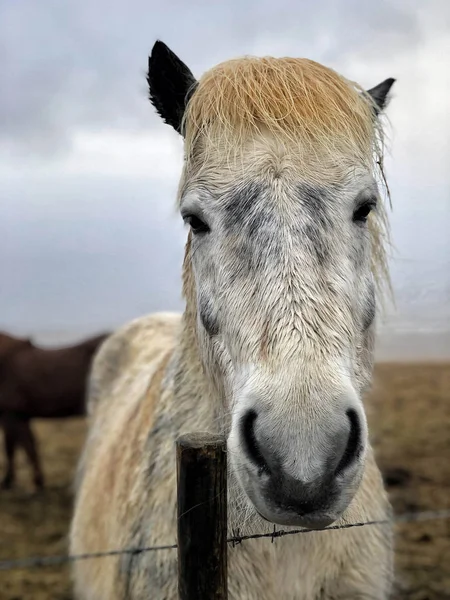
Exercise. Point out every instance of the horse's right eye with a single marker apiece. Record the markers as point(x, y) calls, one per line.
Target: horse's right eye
point(363, 211)
point(196, 224)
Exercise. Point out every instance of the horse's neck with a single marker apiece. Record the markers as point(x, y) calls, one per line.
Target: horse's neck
point(196, 403)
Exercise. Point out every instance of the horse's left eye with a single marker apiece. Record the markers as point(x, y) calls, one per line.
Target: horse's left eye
point(362, 212)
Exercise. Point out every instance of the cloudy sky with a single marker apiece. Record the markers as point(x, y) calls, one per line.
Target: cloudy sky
point(88, 173)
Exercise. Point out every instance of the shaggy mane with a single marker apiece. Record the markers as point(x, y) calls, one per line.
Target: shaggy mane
point(296, 99)
point(314, 110)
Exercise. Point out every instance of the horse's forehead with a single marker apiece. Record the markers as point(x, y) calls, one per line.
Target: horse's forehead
point(314, 197)
point(257, 200)
point(257, 221)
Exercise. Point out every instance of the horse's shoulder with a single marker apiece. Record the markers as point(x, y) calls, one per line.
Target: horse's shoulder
point(128, 350)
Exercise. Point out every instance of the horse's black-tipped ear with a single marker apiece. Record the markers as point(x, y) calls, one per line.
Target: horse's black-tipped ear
point(380, 94)
point(170, 84)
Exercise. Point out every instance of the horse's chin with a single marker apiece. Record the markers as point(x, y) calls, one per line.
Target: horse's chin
point(307, 522)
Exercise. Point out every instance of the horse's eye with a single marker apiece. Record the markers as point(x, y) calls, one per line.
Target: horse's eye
point(362, 212)
point(196, 224)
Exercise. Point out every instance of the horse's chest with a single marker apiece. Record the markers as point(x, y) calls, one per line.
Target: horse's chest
point(288, 569)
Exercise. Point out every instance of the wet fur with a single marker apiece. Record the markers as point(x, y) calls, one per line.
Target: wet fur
point(129, 468)
point(284, 301)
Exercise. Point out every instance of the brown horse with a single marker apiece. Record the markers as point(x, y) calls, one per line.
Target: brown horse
point(39, 383)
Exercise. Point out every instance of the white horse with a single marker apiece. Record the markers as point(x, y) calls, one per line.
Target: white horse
point(275, 347)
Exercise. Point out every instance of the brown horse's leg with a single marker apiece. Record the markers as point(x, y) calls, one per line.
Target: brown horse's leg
point(28, 443)
point(10, 434)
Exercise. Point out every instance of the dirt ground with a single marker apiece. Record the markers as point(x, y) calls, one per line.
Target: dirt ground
point(410, 424)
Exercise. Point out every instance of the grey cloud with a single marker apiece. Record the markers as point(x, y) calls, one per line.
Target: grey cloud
point(71, 66)
point(87, 254)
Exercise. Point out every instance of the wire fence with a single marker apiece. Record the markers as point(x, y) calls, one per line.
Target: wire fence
point(56, 560)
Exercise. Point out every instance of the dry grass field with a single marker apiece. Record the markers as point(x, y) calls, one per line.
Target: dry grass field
point(410, 424)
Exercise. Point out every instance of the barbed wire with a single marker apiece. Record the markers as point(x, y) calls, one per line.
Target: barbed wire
point(56, 560)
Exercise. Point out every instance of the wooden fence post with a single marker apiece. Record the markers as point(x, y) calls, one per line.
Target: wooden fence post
point(202, 517)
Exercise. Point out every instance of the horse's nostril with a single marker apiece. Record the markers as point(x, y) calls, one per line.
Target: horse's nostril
point(251, 445)
point(353, 447)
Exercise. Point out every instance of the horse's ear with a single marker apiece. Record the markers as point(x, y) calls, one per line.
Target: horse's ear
point(380, 94)
point(170, 84)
